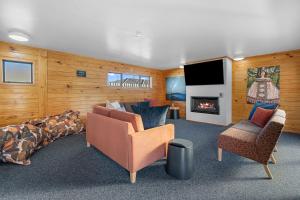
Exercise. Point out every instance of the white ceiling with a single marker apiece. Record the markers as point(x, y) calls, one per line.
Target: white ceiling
point(173, 32)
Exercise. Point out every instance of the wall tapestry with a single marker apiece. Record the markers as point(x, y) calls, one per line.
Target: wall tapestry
point(175, 88)
point(263, 84)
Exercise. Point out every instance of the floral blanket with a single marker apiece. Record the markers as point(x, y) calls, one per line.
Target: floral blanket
point(19, 142)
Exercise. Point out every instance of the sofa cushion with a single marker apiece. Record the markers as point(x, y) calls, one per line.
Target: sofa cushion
point(115, 105)
point(143, 104)
point(152, 116)
point(101, 110)
point(139, 106)
point(132, 118)
point(127, 106)
point(238, 141)
point(270, 106)
point(246, 125)
point(280, 113)
point(262, 116)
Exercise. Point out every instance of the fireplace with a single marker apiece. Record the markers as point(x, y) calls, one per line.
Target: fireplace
point(208, 105)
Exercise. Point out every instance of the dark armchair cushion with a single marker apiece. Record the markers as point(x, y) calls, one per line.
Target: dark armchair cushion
point(128, 105)
point(152, 116)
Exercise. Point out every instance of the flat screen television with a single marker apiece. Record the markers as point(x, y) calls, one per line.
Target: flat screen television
point(206, 73)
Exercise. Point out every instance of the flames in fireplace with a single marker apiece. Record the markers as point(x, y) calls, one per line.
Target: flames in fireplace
point(206, 105)
point(209, 105)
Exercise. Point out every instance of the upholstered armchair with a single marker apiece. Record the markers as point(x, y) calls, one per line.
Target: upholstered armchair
point(258, 147)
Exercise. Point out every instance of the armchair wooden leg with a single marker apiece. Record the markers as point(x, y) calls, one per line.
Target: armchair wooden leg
point(88, 144)
point(268, 171)
point(273, 159)
point(219, 154)
point(275, 149)
point(132, 177)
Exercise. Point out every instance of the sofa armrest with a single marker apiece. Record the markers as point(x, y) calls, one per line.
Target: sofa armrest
point(149, 146)
point(110, 136)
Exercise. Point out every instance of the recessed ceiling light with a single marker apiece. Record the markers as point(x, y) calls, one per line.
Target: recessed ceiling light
point(138, 34)
point(18, 36)
point(238, 58)
point(181, 66)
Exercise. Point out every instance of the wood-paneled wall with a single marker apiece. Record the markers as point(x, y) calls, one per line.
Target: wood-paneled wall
point(67, 91)
point(180, 104)
point(19, 102)
point(289, 85)
point(56, 87)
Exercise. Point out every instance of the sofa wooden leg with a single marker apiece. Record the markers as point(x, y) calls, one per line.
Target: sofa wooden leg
point(268, 171)
point(219, 154)
point(275, 149)
point(88, 144)
point(273, 159)
point(132, 177)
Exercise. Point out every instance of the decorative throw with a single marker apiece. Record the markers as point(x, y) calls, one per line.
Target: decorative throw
point(18, 142)
point(61, 125)
point(152, 116)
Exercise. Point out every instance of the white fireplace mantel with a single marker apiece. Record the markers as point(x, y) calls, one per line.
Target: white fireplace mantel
point(224, 92)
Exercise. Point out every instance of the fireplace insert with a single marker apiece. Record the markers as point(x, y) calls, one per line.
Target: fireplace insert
point(209, 105)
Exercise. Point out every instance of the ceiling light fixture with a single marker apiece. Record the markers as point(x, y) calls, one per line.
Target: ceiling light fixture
point(138, 34)
point(18, 36)
point(238, 58)
point(181, 66)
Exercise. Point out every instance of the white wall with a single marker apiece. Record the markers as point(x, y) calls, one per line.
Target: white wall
point(224, 92)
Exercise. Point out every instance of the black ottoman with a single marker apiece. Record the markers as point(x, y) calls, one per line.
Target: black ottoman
point(180, 159)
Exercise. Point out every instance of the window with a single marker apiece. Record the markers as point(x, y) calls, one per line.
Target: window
point(114, 79)
point(128, 80)
point(145, 82)
point(17, 72)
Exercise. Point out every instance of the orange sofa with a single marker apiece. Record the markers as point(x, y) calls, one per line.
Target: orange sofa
point(121, 136)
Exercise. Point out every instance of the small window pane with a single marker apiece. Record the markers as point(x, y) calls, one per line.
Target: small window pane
point(17, 72)
point(114, 79)
point(130, 81)
point(145, 82)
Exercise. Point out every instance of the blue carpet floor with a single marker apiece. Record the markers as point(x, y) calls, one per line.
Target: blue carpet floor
point(66, 169)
